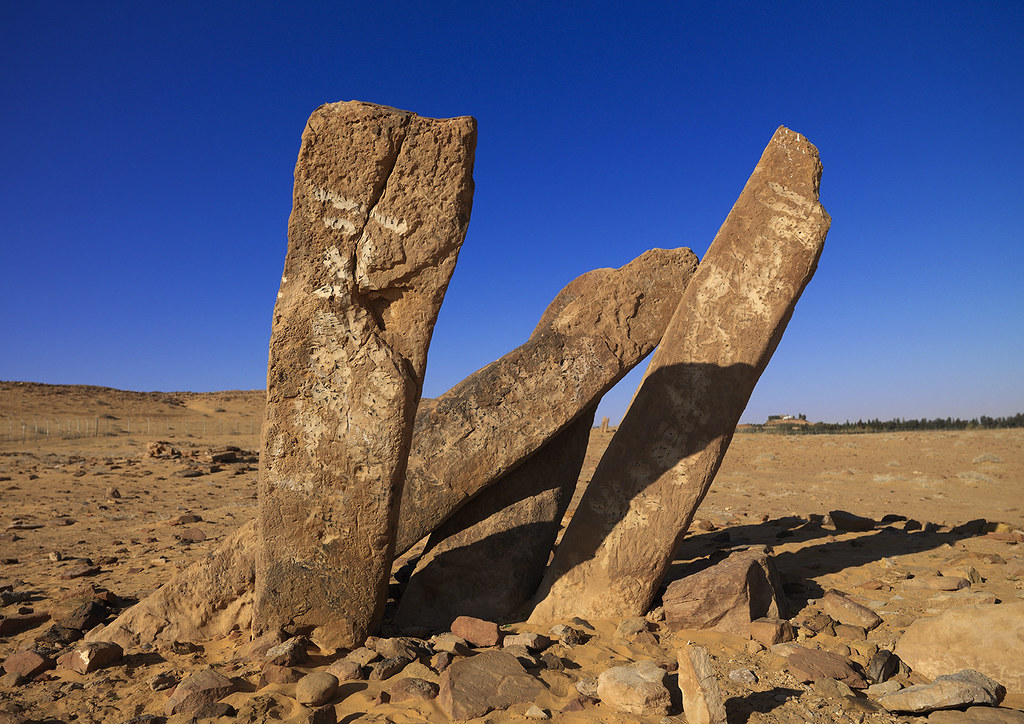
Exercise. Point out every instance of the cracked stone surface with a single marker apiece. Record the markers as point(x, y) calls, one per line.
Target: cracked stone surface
point(381, 204)
point(661, 461)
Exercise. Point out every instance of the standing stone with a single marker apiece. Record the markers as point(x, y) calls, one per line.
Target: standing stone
point(597, 329)
point(661, 461)
point(380, 209)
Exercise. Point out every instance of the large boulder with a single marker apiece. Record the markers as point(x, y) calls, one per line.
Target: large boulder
point(471, 687)
point(989, 639)
point(664, 455)
point(380, 209)
point(727, 596)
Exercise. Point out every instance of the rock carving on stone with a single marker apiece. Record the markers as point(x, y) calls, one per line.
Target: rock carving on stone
point(663, 457)
point(380, 209)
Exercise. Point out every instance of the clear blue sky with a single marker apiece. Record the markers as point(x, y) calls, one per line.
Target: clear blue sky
point(148, 149)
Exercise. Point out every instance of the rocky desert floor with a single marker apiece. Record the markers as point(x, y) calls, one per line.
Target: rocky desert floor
point(88, 514)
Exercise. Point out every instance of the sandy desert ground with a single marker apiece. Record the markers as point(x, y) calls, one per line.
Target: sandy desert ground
point(88, 490)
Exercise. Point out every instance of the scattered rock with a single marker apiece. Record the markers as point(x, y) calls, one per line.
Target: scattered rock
point(289, 653)
point(27, 663)
point(567, 635)
point(882, 665)
point(476, 631)
point(21, 622)
point(490, 680)
point(845, 521)
point(726, 596)
point(316, 688)
point(386, 668)
point(844, 610)
point(876, 690)
point(412, 688)
point(812, 664)
point(535, 712)
point(948, 691)
point(91, 656)
point(771, 631)
point(191, 535)
point(199, 693)
point(274, 674)
point(702, 699)
point(345, 670)
point(743, 676)
point(363, 656)
point(635, 689)
point(532, 641)
point(80, 570)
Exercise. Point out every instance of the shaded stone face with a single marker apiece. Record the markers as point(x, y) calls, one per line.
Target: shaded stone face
point(662, 459)
point(597, 329)
point(380, 209)
point(488, 558)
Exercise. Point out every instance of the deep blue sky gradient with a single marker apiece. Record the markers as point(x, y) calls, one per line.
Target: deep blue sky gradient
point(147, 157)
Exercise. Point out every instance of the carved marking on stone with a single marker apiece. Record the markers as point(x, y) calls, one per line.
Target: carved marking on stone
point(389, 222)
point(342, 270)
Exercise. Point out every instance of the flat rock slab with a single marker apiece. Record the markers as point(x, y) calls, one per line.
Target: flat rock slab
point(664, 455)
point(814, 665)
point(971, 637)
point(490, 680)
point(483, 427)
point(380, 209)
point(727, 596)
point(702, 698)
point(950, 691)
point(199, 692)
point(842, 609)
point(635, 689)
point(977, 715)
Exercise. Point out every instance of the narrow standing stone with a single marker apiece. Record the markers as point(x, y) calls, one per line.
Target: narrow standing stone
point(661, 461)
point(380, 209)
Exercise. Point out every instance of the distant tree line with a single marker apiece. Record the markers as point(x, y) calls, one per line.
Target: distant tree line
point(897, 425)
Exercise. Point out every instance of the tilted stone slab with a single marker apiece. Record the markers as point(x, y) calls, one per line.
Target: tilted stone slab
point(488, 558)
point(661, 461)
point(380, 210)
point(493, 420)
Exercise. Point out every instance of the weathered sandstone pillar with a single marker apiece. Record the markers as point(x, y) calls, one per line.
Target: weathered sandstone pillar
point(661, 461)
point(486, 425)
point(380, 209)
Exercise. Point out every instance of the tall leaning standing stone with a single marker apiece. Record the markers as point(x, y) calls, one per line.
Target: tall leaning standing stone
point(485, 426)
point(380, 209)
point(661, 461)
